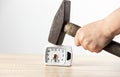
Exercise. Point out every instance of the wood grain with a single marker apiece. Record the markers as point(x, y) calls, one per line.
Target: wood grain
point(82, 66)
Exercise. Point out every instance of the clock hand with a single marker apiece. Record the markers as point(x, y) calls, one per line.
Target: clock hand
point(55, 57)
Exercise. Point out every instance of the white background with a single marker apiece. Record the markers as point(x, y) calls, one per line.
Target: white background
point(25, 24)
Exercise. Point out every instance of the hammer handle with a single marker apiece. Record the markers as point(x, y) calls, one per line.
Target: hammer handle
point(113, 47)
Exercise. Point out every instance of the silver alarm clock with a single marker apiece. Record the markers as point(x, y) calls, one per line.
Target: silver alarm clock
point(58, 55)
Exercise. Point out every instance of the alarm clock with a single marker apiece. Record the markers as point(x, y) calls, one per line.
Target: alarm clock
point(58, 55)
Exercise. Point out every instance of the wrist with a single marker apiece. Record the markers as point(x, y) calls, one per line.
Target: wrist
point(107, 29)
point(112, 23)
point(112, 27)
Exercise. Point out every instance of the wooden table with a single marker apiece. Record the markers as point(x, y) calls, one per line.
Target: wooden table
point(82, 66)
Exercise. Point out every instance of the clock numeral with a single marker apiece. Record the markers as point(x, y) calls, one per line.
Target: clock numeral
point(58, 49)
point(62, 51)
point(51, 49)
point(55, 49)
point(47, 58)
point(48, 50)
point(58, 60)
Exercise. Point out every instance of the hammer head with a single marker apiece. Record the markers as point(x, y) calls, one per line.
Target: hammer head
point(61, 18)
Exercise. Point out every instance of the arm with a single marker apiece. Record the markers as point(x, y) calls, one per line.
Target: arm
point(113, 22)
point(96, 35)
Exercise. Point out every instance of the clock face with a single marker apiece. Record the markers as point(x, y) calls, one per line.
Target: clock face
point(55, 55)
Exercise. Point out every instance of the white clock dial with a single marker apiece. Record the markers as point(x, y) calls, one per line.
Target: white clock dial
point(58, 55)
point(55, 55)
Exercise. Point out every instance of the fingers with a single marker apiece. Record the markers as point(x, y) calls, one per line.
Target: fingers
point(86, 42)
point(76, 39)
point(93, 47)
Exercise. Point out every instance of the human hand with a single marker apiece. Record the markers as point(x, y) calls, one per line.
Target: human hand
point(93, 37)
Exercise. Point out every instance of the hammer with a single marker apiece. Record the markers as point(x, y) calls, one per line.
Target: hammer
point(62, 26)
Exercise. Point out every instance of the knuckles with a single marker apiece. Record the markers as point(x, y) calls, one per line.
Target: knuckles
point(82, 38)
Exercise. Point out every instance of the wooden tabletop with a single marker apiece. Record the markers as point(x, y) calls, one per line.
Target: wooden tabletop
point(82, 66)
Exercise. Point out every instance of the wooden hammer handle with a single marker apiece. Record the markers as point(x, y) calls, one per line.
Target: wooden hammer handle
point(113, 47)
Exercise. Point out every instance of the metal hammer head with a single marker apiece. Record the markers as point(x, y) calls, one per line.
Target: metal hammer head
point(62, 16)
